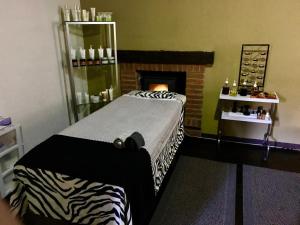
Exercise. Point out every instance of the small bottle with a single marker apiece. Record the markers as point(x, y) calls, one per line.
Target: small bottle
point(82, 57)
point(83, 15)
point(74, 59)
point(263, 114)
point(244, 90)
point(268, 117)
point(234, 107)
point(74, 13)
point(100, 96)
point(105, 95)
point(233, 89)
point(66, 12)
point(111, 93)
point(86, 98)
point(91, 56)
point(93, 14)
point(79, 99)
point(225, 89)
point(254, 90)
point(100, 54)
point(79, 13)
point(108, 52)
point(259, 112)
point(246, 110)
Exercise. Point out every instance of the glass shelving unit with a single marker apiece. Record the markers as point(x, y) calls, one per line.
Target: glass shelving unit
point(87, 78)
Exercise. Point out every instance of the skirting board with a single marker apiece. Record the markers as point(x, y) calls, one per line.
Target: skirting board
point(273, 144)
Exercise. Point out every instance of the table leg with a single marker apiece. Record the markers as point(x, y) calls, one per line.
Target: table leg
point(268, 133)
point(266, 142)
point(219, 135)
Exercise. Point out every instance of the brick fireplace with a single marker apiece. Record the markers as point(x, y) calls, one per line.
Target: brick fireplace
point(129, 80)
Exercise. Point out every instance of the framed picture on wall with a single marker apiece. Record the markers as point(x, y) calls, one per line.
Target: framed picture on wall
point(253, 65)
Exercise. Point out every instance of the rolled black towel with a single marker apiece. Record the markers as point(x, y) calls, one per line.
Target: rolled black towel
point(119, 143)
point(135, 141)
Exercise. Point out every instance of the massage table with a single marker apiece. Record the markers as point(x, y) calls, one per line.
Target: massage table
point(79, 176)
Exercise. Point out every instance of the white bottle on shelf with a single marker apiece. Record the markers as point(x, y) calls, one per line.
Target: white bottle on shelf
point(101, 52)
point(111, 93)
point(92, 53)
point(268, 117)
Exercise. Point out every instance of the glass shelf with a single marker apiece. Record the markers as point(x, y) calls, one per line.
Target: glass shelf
point(94, 65)
point(90, 22)
point(92, 107)
point(248, 98)
point(252, 118)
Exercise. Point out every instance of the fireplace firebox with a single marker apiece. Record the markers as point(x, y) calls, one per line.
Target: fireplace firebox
point(163, 80)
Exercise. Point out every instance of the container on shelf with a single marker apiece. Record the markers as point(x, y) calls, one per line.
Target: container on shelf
point(104, 16)
point(244, 89)
point(225, 89)
point(233, 89)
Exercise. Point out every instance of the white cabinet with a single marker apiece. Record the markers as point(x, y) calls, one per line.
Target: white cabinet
point(252, 118)
point(11, 149)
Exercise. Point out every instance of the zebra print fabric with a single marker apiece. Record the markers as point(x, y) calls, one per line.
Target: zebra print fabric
point(74, 200)
point(164, 160)
point(161, 164)
point(62, 197)
point(156, 94)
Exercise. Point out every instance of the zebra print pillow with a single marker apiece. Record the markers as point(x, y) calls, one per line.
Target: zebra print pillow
point(156, 94)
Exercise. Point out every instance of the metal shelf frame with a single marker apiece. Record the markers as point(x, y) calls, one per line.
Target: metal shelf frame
point(73, 112)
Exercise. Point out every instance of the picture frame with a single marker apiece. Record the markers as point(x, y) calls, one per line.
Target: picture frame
point(253, 65)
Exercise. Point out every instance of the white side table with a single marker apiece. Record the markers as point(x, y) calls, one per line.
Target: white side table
point(252, 118)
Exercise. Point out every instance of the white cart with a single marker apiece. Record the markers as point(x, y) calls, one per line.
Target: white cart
point(252, 118)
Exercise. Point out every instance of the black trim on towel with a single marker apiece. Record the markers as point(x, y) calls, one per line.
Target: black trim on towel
point(100, 162)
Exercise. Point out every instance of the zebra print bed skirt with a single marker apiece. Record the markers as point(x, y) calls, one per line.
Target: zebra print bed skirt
point(70, 199)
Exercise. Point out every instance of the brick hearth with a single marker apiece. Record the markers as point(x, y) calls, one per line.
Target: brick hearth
point(194, 88)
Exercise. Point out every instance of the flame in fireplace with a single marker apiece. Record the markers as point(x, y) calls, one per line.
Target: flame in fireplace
point(158, 87)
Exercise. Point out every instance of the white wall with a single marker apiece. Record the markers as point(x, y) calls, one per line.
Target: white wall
point(31, 85)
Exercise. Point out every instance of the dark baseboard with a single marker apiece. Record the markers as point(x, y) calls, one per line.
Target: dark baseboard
point(273, 144)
